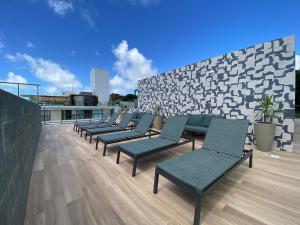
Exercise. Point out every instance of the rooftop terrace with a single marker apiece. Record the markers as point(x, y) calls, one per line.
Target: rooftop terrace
point(72, 183)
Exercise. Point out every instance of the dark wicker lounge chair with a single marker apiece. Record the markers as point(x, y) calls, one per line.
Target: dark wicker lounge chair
point(200, 170)
point(169, 137)
point(108, 123)
point(140, 131)
point(101, 130)
point(136, 117)
point(102, 120)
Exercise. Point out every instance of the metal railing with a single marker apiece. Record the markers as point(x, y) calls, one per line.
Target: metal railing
point(9, 85)
point(70, 114)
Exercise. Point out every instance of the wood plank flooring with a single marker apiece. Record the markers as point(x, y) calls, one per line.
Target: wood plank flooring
point(73, 184)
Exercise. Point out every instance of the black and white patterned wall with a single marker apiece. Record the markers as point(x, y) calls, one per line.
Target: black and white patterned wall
point(229, 85)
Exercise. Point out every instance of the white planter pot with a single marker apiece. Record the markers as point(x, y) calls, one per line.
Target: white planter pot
point(158, 122)
point(264, 135)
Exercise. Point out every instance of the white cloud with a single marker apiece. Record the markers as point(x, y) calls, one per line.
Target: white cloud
point(12, 88)
point(87, 17)
point(82, 8)
point(145, 3)
point(15, 78)
point(97, 53)
point(51, 90)
point(1, 43)
point(48, 71)
point(130, 66)
point(297, 62)
point(11, 58)
point(29, 44)
point(60, 7)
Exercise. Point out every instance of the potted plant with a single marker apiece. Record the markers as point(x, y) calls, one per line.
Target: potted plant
point(264, 129)
point(158, 120)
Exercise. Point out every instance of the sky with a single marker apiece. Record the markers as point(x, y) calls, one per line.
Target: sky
point(55, 43)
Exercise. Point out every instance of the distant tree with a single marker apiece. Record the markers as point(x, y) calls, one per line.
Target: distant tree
point(116, 98)
point(129, 98)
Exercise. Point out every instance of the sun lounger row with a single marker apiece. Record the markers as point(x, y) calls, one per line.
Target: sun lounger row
point(199, 170)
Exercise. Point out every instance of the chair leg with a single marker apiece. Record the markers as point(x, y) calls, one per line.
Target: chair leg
point(118, 157)
point(250, 160)
point(156, 178)
point(104, 149)
point(193, 144)
point(197, 213)
point(134, 167)
point(91, 138)
point(97, 144)
point(86, 135)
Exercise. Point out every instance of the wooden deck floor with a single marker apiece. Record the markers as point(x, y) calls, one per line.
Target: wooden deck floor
point(73, 184)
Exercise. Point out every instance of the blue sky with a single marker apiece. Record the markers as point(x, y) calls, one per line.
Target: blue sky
point(55, 43)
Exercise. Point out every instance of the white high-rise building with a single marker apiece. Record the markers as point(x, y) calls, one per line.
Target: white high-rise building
point(100, 84)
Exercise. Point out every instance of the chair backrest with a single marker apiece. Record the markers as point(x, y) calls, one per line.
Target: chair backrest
point(113, 118)
point(195, 119)
point(207, 118)
point(104, 117)
point(226, 136)
point(144, 123)
point(126, 119)
point(134, 115)
point(139, 115)
point(174, 127)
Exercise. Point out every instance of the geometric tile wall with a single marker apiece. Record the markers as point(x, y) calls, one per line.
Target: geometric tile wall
point(229, 85)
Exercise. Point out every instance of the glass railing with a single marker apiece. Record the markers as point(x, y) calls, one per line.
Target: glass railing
point(70, 114)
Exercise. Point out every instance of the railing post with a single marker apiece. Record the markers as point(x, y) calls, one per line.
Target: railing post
point(18, 89)
point(61, 115)
point(76, 114)
point(37, 95)
point(91, 115)
point(44, 116)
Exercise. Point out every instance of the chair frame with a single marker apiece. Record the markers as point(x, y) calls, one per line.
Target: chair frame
point(128, 127)
point(91, 122)
point(199, 194)
point(150, 133)
point(96, 126)
point(182, 141)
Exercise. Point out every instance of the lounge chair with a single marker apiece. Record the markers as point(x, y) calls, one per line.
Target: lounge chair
point(139, 132)
point(169, 137)
point(109, 129)
point(103, 118)
point(200, 170)
point(136, 117)
point(108, 123)
point(199, 123)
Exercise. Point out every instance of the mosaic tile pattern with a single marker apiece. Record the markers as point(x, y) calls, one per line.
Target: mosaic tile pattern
point(229, 85)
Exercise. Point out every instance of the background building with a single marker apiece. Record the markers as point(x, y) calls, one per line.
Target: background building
point(81, 99)
point(100, 84)
point(67, 99)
